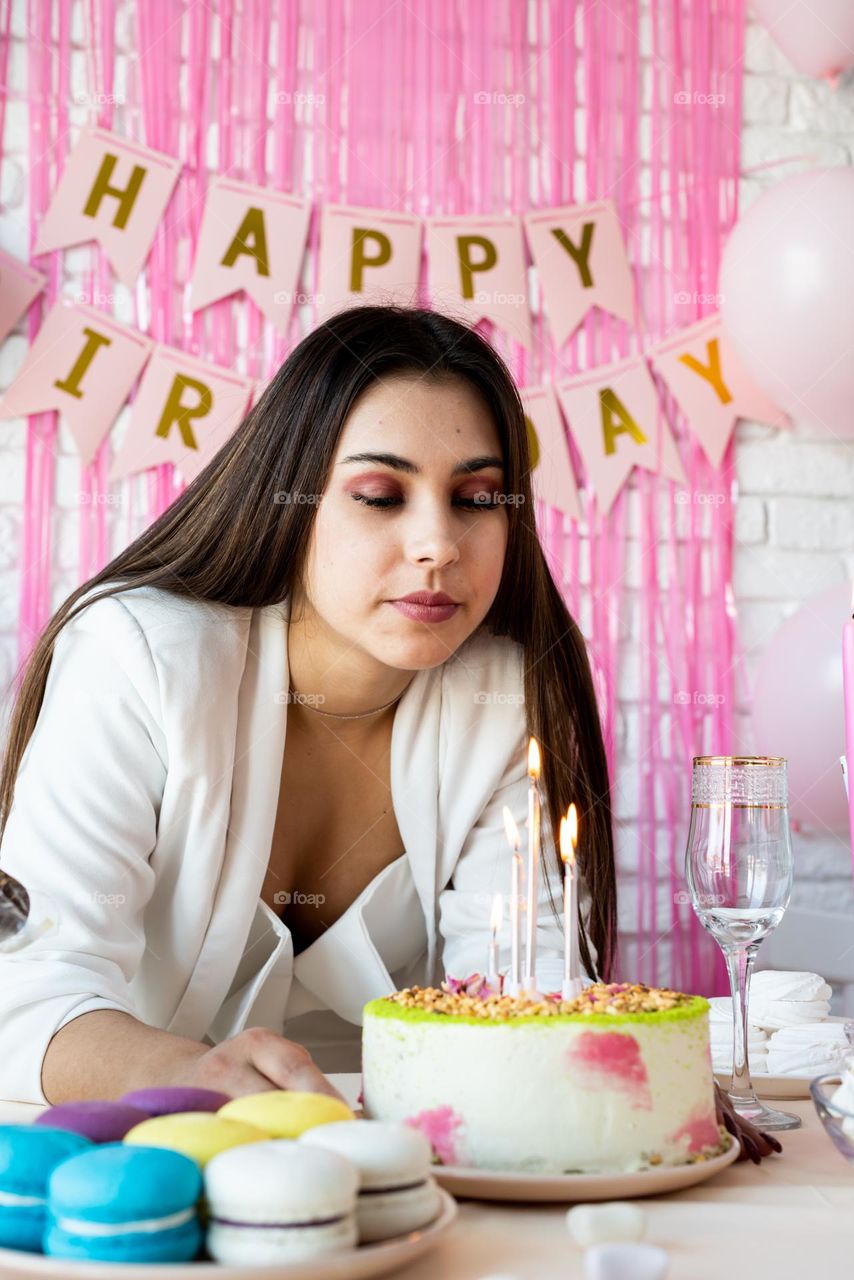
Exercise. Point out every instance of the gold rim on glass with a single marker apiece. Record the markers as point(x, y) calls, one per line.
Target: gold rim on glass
point(739, 760)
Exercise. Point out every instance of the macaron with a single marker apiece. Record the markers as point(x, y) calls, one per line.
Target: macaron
point(99, 1120)
point(28, 1156)
point(279, 1201)
point(396, 1191)
point(194, 1133)
point(164, 1100)
point(286, 1113)
point(119, 1203)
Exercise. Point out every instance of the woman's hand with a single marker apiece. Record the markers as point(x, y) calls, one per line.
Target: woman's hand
point(251, 1062)
point(754, 1143)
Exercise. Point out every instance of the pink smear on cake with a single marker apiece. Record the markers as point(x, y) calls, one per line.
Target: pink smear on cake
point(610, 1060)
point(438, 1127)
point(700, 1129)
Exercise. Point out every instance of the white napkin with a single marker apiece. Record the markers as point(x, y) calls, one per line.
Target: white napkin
point(808, 1050)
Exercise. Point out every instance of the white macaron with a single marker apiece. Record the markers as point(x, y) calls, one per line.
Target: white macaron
point(397, 1193)
point(278, 1201)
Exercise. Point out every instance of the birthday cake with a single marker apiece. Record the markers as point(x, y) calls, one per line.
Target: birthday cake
point(618, 1079)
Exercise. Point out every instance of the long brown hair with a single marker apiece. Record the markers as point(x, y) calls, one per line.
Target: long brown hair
point(226, 539)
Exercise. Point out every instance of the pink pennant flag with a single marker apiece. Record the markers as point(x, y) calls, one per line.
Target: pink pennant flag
point(617, 422)
point(184, 412)
point(19, 284)
point(477, 270)
point(367, 256)
point(112, 191)
point(712, 387)
point(581, 262)
point(251, 238)
point(553, 478)
point(82, 363)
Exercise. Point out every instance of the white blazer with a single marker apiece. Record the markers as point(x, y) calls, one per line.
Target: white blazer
point(145, 805)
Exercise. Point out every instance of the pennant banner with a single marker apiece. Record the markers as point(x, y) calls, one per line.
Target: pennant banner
point(617, 422)
point(251, 238)
point(711, 385)
point(184, 412)
point(112, 191)
point(552, 475)
point(581, 262)
point(82, 363)
point(19, 284)
point(477, 269)
point(367, 255)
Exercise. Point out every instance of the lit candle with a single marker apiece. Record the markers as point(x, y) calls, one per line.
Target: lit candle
point(568, 841)
point(533, 864)
point(495, 925)
point(848, 698)
point(514, 985)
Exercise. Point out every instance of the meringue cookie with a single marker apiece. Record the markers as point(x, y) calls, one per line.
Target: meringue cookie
point(782, 984)
point(812, 1050)
point(777, 1014)
point(615, 1220)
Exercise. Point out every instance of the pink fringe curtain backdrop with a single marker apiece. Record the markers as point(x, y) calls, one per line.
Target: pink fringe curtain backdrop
point(380, 103)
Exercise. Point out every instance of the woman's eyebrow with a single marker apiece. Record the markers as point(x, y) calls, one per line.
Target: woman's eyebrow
point(404, 464)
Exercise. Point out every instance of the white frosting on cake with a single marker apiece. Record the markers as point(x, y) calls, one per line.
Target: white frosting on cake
point(548, 1094)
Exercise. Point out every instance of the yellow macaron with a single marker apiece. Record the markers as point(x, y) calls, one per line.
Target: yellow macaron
point(199, 1134)
point(286, 1113)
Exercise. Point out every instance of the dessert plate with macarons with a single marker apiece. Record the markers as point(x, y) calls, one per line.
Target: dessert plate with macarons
point(182, 1183)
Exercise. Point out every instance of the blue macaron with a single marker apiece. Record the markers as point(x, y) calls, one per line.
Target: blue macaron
point(28, 1156)
point(120, 1203)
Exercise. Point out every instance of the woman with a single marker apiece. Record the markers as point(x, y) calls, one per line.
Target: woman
point(259, 783)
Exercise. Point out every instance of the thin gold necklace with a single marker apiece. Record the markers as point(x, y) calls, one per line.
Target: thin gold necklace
point(337, 715)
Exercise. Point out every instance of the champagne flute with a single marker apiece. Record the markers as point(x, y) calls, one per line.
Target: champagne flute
point(738, 866)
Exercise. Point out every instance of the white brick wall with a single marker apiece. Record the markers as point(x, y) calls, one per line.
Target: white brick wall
point(795, 519)
point(795, 516)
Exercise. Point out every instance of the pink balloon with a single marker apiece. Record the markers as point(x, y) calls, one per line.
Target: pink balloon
point(787, 286)
point(817, 36)
point(798, 708)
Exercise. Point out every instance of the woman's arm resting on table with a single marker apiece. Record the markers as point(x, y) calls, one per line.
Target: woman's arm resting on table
point(105, 1053)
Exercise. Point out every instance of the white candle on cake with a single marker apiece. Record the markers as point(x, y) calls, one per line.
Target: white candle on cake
point(568, 841)
point(530, 979)
point(514, 984)
point(494, 925)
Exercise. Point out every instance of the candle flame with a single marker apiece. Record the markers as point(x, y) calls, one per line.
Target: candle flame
point(497, 913)
point(510, 828)
point(533, 758)
point(569, 835)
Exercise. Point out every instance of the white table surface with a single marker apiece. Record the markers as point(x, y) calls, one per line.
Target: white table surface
point(790, 1216)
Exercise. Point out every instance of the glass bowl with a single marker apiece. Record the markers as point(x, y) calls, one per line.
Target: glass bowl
point(837, 1120)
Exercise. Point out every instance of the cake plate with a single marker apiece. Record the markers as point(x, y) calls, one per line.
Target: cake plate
point(490, 1184)
point(350, 1264)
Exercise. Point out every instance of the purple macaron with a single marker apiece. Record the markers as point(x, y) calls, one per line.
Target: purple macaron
point(165, 1100)
point(99, 1120)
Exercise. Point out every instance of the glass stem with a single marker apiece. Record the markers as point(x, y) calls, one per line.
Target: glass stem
point(739, 963)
